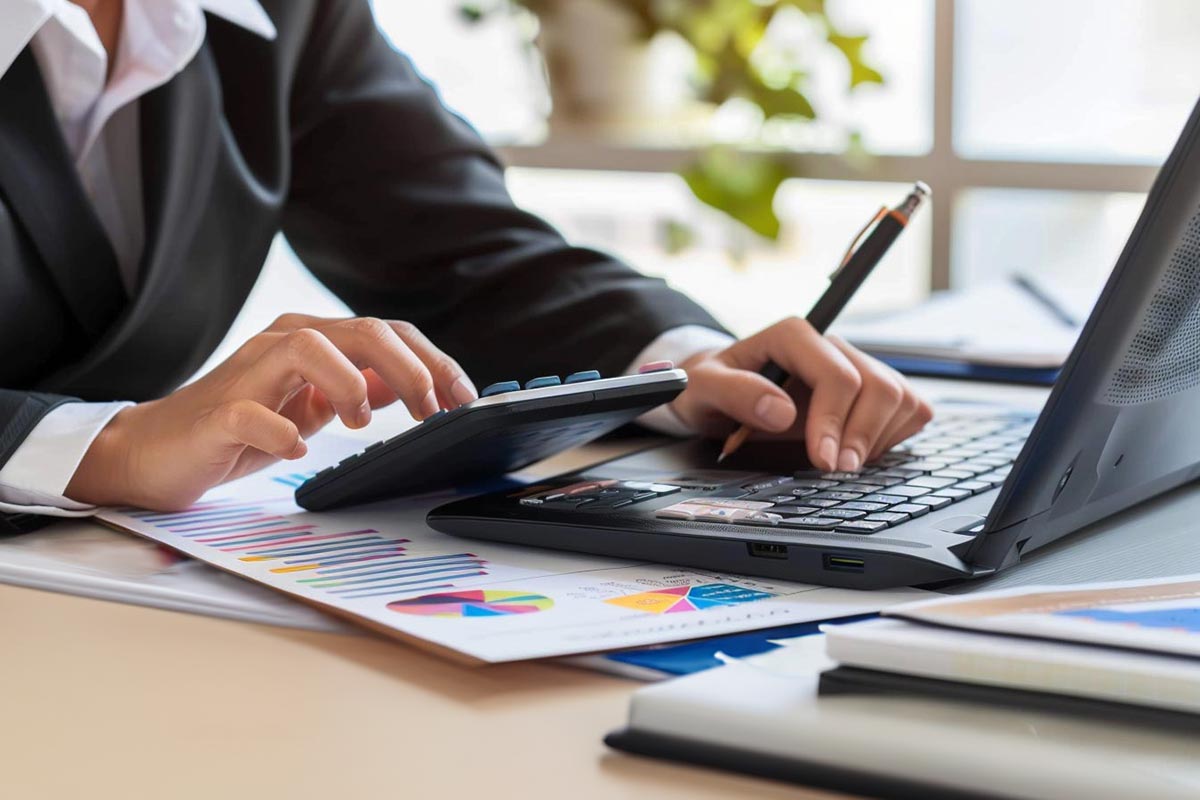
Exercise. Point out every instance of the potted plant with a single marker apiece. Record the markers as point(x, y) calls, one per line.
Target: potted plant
point(594, 51)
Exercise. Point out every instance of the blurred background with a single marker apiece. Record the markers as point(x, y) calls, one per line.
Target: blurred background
point(734, 147)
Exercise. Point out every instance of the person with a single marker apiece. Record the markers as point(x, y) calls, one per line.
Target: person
point(150, 151)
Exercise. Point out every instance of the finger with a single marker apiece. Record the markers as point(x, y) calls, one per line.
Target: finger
point(453, 386)
point(916, 420)
point(309, 410)
point(874, 410)
point(744, 396)
point(250, 424)
point(370, 342)
point(307, 356)
point(833, 380)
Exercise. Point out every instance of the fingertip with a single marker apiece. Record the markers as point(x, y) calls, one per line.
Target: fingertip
point(300, 450)
point(827, 452)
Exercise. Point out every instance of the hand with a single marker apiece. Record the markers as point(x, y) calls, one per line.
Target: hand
point(259, 406)
point(849, 407)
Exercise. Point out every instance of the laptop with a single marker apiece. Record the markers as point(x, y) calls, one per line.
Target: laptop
point(967, 497)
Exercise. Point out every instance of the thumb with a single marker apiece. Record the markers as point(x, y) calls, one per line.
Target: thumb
point(748, 398)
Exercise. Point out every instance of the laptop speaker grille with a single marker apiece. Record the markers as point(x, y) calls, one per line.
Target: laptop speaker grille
point(1164, 356)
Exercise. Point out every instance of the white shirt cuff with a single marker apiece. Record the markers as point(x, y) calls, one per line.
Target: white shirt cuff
point(677, 345)
point(36, 475)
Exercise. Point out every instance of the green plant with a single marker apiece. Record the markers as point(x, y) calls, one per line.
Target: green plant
point(734, 59)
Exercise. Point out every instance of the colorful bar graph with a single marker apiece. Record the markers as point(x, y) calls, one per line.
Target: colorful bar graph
point(351, 564)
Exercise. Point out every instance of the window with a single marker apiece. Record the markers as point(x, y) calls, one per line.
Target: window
point(1039, 124)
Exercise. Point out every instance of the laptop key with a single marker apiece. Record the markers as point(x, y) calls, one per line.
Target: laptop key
point(842, 496)
point(860, 488)
point(912, 509)
point(890, 517)
point(888, 499)
point(898, 472)
point(862, 505)
point(956, 474)
point(933, 501)
point(973, 486)
point(821, 502)
point(861, 526)
point(843, 513)
point(930, 482)
point(812, 523)
point(798, 511)
point(908, 491)
point(952, 493)
point(813, 483)
point(876, 480)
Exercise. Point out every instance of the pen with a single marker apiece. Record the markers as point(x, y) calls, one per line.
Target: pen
point(856, 265)
point(1047, 302)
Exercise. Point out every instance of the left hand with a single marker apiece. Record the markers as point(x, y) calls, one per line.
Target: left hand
point(848, 407)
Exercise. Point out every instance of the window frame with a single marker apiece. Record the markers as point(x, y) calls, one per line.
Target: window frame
point(943, 168)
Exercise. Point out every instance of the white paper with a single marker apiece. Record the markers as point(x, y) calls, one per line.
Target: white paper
point(377, 562)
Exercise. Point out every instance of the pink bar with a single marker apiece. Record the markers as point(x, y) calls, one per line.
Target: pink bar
point(655, 366)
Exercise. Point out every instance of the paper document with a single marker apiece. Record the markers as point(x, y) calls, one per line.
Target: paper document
point(384, 567)
point(1160, 615)
point(997, 324)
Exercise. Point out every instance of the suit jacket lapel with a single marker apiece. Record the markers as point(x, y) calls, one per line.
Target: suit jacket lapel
point(174, 301)
point(40, 184)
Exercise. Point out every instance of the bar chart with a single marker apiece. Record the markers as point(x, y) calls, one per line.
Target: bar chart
point(348, 564)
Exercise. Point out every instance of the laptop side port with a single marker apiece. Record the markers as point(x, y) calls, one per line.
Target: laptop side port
point(836, 563)
point(765, 550)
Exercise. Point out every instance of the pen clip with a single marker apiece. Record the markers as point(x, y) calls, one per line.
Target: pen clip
point(858, 238)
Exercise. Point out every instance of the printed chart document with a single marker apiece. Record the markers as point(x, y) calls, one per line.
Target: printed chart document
point(382, 566)
point(1160, 615)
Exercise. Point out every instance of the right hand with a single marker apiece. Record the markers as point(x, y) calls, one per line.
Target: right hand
point(259, 406)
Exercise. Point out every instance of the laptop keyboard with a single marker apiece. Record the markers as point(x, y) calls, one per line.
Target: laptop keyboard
point(951, 460)
point(954, 458)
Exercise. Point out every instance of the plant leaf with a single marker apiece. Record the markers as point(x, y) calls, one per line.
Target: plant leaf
point(742, 185)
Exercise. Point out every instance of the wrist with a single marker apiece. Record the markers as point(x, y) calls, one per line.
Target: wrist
point(102, 477)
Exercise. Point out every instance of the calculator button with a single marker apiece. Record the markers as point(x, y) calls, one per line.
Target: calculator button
point(580, 377)
point(912, 509)
point(814, 523)
point(890, 517)
point(501, 388)
point(932, 501)
point(656, 366)
point(543, 382)
point(441, 412)
point(843, 513)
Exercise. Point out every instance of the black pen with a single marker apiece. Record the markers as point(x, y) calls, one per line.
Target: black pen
point(856, 265)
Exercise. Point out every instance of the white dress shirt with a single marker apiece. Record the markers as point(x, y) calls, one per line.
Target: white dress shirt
point(97, 113)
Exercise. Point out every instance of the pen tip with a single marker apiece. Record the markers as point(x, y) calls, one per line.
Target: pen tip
point(721, 457)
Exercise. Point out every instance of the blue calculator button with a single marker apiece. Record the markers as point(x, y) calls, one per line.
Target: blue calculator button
point(501, 388)
point(580, 377)
point(542, 383)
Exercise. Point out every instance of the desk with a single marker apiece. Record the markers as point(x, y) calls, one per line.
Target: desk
point(107, 700)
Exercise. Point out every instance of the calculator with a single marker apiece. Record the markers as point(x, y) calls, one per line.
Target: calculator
point(510, 426)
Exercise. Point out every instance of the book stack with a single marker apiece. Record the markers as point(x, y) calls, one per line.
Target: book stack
point(1126, 650)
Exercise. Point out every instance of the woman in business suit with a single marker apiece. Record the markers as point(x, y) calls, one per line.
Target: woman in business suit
point(149, 152)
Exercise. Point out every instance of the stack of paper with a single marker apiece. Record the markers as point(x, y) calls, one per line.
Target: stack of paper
point(1135, 642)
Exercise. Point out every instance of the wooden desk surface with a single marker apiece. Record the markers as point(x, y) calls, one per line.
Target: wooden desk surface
point(108, 700)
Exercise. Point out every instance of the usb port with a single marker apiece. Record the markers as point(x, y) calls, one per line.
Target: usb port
point(844, 563)
point(764, 550)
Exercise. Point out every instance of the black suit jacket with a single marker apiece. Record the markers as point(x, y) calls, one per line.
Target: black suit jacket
point(329, 135)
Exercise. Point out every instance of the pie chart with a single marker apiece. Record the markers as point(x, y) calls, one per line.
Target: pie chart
point(473, 603)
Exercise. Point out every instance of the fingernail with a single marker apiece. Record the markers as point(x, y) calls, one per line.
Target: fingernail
point(363, 416)
point(300, 450)
point(429, 406)
point(463, 391)
point(828, 452)
point(849, 461)
point(774, 412)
